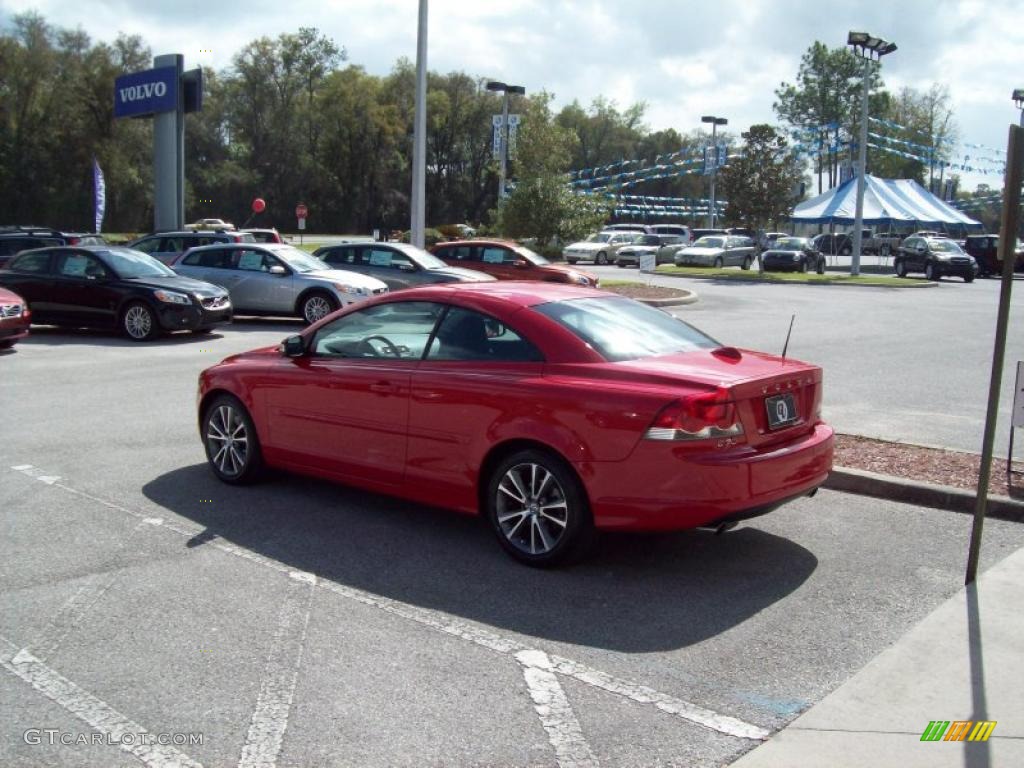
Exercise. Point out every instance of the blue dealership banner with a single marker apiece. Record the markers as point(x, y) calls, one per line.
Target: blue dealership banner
point(100, 194)
point(145, 93)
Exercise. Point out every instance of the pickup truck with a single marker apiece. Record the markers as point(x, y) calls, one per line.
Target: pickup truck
point(882, 243)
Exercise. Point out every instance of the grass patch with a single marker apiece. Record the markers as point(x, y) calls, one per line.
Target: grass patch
point(829, 278)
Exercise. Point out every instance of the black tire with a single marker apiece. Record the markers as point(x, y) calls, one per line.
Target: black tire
point(202, 331)
point(821, 267)
point(316, 305)
point(719, 264)
point(901, 268)
point(6, 344)
point(931, 272)
point(139, 323)
point(601, 258)
point(803, 265)
point(555, 509)
point(968, 278)
point(846, 251)
point(225, 415)
point(746, 263)
point(620, 265)
point(570, 261)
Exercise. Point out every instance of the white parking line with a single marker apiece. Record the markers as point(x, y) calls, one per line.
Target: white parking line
point(556, 715)
point(86, 707)
point(277, 685)
point(485, 638)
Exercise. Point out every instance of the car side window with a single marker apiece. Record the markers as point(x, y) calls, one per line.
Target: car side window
point(468, 335)
point(385, 257)
point(149, 245)
point(173, 244)
point(251, 261)
point(31, 263)
point(348, 255)
point(397, 330)
point(460, 253)
point(497, 256)
point(80, 265)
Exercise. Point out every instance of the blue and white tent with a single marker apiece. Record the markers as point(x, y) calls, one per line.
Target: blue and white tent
point(886, 201)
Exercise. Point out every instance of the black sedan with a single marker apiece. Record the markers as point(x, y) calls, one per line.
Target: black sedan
point(108, 287)
point(400, 265)
point(793, 254)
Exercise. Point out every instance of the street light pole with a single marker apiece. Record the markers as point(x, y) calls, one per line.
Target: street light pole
point(715, 122)
point(495, 85)
point(863, 45)
point(418, 208)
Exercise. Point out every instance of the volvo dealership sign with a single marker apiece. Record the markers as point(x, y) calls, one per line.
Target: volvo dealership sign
point(146, 93)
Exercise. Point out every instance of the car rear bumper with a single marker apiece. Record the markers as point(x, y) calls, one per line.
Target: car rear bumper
point(174, 317)
point(666, 487)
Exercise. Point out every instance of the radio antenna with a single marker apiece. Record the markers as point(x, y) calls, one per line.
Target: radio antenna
point(788, 334)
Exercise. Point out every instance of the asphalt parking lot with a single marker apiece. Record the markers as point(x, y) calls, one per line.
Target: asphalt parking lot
point(300, 623)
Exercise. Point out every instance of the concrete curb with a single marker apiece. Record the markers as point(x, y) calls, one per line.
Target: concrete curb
point(759, 281)
point(690, 298)
point(923, 494)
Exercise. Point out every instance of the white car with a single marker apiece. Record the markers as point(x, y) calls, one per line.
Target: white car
point(600, 248)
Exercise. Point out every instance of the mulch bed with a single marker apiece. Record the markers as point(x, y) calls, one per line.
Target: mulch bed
point(929, 465)
point(642, 291)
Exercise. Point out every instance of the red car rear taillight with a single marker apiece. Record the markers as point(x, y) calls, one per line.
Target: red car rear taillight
point(704, 416)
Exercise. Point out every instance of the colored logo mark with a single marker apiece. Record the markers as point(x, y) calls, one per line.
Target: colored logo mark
point(958, 730)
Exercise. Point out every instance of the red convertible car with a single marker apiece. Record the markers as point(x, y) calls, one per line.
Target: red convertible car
point(553, 410)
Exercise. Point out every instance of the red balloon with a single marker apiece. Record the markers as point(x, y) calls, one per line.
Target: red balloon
point(258, 205)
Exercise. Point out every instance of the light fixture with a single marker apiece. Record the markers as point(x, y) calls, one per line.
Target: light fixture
point(1018, 98)
point(857, 38)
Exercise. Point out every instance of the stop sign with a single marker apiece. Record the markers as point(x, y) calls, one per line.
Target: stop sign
point(301, 211)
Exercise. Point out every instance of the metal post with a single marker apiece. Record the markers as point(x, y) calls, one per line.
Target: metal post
point(418, 211)
point(714, 173)
point(1007, 246)
point(862, 161)
point(168, 157)
point(504, 145)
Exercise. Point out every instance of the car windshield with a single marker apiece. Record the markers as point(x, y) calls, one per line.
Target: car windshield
point(423, 258)
point(944, 245)
point(128, 263)
point(710, 242)
point(298, 260)
point(790, 242)
point(622, 329)
point(600, 237)
point(530, 256)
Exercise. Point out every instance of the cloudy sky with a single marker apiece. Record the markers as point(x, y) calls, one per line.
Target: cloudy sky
point(683, 58)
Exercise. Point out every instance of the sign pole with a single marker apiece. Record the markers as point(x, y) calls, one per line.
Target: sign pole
point(1007, 246)
point(168, 164)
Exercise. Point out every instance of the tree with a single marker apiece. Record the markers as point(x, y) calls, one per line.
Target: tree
point(760, 183)
point(929, 132)
point(823, 107)
point(542, 205)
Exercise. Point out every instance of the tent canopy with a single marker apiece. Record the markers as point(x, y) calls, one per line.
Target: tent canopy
point(886, 201)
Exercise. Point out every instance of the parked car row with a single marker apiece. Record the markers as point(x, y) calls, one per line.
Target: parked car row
point(206, 285)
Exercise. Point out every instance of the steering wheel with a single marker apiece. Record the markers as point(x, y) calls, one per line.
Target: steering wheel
point(389, 347)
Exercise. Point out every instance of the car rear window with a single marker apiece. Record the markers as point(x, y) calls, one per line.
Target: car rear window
point(621, 329)
point(35, 263)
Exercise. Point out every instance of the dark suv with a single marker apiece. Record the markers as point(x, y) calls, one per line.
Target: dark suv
point(168, 246)
point(935, 256)
point(985, 250)
point(16, 239)
point(833, 244)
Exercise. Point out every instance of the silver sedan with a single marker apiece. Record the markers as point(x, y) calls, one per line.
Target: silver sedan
point(718, 251)
point(276, 279)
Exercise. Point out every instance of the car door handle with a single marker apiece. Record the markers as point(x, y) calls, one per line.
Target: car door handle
point(383, 388)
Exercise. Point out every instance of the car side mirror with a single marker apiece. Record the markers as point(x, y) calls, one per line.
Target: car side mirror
point(293, 346)
point(521, 263)
point(277, 269)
